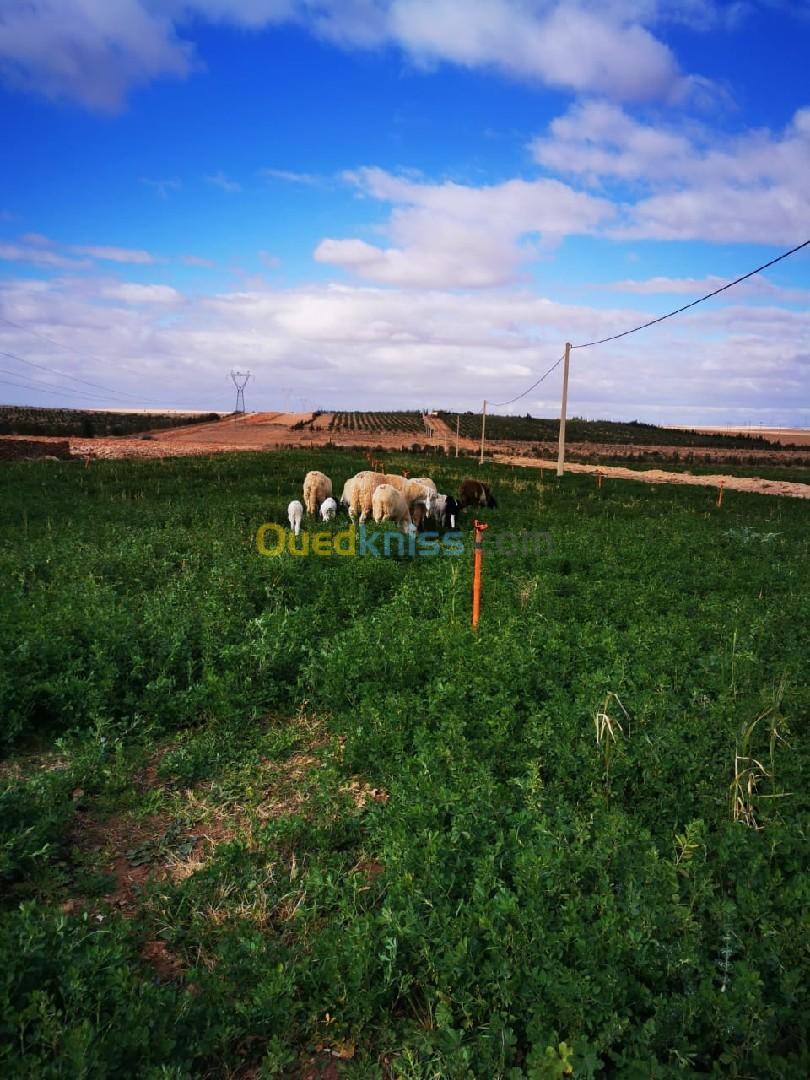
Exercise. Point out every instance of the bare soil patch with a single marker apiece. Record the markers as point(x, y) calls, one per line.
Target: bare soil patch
point(135, 852)
point(658, 476)
point(20, 768)
point(14, 447)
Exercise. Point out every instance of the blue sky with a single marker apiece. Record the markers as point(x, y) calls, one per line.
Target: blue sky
point(397, 203)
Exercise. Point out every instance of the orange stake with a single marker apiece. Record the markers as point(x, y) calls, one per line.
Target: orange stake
point(479, 551)
point(599, 477)
point(720, 494)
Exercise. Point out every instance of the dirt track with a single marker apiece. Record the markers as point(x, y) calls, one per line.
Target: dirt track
point(659, 476)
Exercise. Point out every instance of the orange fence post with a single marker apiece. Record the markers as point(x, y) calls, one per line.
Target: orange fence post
point(720, 494)
point(598, 477)
point(479, 550)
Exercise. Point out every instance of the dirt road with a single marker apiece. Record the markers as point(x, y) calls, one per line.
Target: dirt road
point(659, 476)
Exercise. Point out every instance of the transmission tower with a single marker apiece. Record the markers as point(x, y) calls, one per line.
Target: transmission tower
point(240, 381)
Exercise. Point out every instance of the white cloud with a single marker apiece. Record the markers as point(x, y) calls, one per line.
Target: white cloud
point(689, 182)
point(36, 255)
point(758, 287)
point(671, 286)
point(453, 236)
point(36, 239)
point(306, 179)
point(197, 261)
point(94, 51)
point(90, 50)
point(360, 347)
point(116, 254)
point(723, 213)
point(580, 47)
point(221, 181)
point(133, 293)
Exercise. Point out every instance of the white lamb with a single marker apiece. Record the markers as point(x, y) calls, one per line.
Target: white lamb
point(328, 509)
point(389, 505)
point(317, 487)
point(295, 512)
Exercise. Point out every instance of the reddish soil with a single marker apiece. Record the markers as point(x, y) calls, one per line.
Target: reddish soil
point(24, 447)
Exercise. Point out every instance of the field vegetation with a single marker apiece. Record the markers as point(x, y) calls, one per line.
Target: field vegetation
point(291, 817)
point(88, 423)
point(377, 421)
point(529, 429)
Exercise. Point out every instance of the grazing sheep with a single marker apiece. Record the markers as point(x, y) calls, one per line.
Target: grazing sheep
point(346, 494)
point(452, 510)
point(419, 513)
point(426, 482)
point(411, 489)
point(358, 492)
point(476, 493)
point(390, 505)
point(328, 509)
point(295, 512)
point(435, 507)
point(317, 487)
point(444, 510)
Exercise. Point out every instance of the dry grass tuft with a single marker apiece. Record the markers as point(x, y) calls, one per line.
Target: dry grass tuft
point(361, 793)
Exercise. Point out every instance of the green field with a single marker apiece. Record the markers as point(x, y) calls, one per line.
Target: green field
point(531, 428)
point(292, 817)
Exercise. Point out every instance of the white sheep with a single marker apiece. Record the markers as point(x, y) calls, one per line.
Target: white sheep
point(317, 487)
point(347, 494)
point(411, 489)
point(328, 509)
point(388, 504)
point(295, 512)
point(358, 493)
point(426, 482)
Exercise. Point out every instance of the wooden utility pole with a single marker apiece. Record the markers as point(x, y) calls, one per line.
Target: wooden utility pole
point(458, 421)
point(483, 429)
point(563, 408)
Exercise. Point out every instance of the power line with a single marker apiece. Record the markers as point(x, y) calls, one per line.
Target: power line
point(67, 375)
point(61, 345)
point(653, 322)
point(122, 396)
point(61, 391)
point(500, 404)
point(694, 303)
point(50, 340)
point(42, 389)
point(55, 388)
